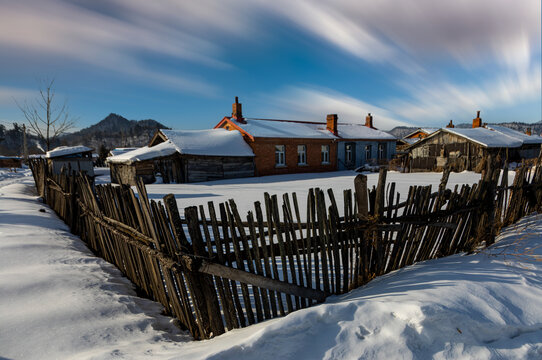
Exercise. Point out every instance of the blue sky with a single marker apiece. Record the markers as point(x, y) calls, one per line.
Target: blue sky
point(409, 62)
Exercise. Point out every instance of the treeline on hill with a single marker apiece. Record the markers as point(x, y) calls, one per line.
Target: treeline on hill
point(111, 132)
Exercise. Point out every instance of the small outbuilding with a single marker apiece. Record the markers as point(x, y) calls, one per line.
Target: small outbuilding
point(182, 156)
point(76, 159)
point(11, 162)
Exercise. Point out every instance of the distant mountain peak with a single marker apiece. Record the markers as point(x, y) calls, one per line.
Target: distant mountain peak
point(115, 131)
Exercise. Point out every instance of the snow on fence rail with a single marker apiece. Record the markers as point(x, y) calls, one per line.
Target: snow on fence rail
point(216, 271)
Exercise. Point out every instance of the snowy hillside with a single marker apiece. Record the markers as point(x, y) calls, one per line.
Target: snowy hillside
point(58, 301)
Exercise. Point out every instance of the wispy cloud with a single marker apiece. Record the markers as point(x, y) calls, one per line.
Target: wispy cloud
point(119, 37)
point(389, 31)
point(313, 104)
point(8, 95)
point(430, 102)
point(421, 38)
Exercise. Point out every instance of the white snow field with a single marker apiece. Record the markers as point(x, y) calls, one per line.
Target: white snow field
point(58, 301)
point(248, 190)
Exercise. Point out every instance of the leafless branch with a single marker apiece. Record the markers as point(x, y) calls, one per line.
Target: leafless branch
point(46, 119)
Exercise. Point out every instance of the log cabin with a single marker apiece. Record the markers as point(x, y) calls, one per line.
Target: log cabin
point(183, 156)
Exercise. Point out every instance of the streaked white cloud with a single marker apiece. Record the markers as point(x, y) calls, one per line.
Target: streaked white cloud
point(437, 102)
point(418, 37)
point(313, 104)
point(120, 39)
point(419, 31)
point(8, 94)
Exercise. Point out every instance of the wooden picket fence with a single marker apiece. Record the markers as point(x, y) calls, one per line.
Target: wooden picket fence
point(215, 270)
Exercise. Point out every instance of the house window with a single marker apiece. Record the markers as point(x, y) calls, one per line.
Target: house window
point(325, 154)
point(301, 155)
point(349, 153)
point(368, 151)
point(280, 155)
point(381, 151)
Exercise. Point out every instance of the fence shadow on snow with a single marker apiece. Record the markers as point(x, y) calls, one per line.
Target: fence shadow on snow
point(215, 270)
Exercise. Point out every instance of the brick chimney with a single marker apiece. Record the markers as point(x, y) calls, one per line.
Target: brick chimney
point(331, 120)
point(478, 121)
point(237, 111)
point(528, 131)
point(450, 124)
point(369, 121)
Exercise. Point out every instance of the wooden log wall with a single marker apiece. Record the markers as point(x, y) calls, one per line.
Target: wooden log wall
point(216, 270)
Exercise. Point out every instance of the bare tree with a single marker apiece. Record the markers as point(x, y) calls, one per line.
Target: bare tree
point(47, 120)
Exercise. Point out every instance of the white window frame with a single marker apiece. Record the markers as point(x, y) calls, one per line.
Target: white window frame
point(325, 154)
point(301, 154)
point(280, 155)
point(380, 151)
point(349, 153)
point(368, 152)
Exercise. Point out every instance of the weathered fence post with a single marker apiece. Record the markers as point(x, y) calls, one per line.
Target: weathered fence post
point(362, 200)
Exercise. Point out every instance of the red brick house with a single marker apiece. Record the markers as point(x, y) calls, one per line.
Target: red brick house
point(286, 146)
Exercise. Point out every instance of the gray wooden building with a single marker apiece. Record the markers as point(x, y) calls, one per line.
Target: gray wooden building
point(465, 149)
point(73, 158)
point(182, 156)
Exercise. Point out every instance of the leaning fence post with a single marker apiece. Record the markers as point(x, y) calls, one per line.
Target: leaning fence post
point(360, 185)
point(203, 286)
point(380, 195)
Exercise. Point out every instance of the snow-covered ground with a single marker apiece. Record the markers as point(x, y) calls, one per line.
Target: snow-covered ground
point(58, 301)
point(248, 190)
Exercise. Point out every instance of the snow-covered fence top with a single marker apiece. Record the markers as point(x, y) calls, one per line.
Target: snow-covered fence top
point(216, 270)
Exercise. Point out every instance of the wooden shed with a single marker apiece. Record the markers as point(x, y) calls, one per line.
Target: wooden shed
point(182, 156)
point(465, 148)
point(75, 158)
point(11, 162)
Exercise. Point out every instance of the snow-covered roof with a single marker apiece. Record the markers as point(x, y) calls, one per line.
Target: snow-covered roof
point(427, 131)
point(285, 129)
point(213, 142)
point(67, 150)
point(145, 153)
point(7, 157)
point(269, 128)
point(358, 131)
point(526, 139)
point(118, 151)
point(210, 142)
point(411, 141)
point(486, 137)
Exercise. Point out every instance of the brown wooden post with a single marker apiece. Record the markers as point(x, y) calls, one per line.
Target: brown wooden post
point(360, 185)
point(208, 302)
